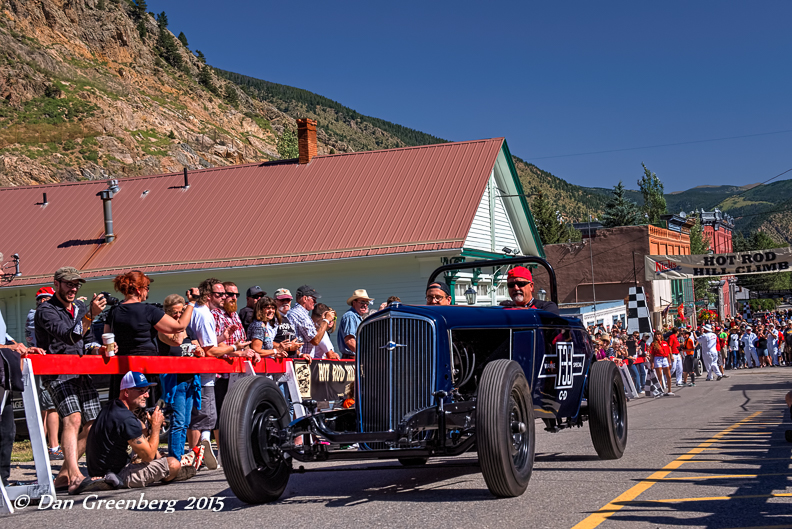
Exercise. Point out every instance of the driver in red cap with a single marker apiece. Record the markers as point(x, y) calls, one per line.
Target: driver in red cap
point(521, 290)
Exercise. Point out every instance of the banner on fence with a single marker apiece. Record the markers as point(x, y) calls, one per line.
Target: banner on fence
point(715, 265)
point(324, 380)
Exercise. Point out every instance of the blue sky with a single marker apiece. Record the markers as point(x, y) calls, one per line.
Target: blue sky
point(555, 78)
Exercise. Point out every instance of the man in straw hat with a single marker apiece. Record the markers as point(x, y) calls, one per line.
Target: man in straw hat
point(347, 327)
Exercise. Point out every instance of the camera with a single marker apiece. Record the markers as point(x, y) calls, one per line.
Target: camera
point(112, 301)
point(188, 349)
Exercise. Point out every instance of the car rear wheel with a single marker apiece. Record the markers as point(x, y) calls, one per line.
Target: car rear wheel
point(607, 410)
point(698, 367)
point(505, 428)
point(254, 466)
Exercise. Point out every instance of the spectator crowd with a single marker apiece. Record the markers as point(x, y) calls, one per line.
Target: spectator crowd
point(674, 355)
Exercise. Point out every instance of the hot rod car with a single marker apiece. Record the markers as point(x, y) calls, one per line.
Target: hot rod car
point(436, 381)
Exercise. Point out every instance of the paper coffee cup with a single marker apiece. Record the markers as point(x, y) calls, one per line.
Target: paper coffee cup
point(108, 339)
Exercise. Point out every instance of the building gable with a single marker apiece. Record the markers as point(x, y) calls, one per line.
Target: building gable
point(503, 218)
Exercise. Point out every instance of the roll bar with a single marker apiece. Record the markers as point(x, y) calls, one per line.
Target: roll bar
point(501, 262)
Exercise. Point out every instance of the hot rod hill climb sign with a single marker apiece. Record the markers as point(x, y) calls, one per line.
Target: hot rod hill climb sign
point(723, 264)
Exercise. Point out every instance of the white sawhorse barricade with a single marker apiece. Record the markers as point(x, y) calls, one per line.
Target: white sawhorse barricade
point(44, 483)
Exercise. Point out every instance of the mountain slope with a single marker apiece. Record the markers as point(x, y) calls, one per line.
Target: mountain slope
point(94, 88)
point(754, 207)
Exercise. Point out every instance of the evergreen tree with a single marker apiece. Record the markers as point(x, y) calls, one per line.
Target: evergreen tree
point(142, 31)
point(168, 48)
point(200, 55)
point(100, 5)
point(550, 227)
point(205, 78)
point(287, 145)
point(620, 210)
point(652, 191)
point(231, 95)
point(162, 20)
point(183, 39)
point(139, 8)
point(760, 240)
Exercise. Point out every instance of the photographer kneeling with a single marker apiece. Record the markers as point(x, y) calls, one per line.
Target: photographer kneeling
point(116, 428)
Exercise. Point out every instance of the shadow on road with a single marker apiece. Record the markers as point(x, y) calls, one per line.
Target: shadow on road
point(720, 502)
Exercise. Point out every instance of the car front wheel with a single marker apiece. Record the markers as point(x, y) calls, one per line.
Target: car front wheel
point(253, 412)
point(505, 428)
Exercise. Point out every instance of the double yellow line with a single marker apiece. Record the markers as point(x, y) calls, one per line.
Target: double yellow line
point(617, 503)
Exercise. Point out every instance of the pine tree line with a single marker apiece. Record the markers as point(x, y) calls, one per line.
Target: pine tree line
point(270, 92)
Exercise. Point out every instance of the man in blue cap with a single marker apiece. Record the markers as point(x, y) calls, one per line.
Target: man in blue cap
point(118, 427)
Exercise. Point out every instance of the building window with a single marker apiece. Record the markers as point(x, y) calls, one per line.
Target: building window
point(503, 290)
point(459, 291)
point(482, 290)
point(677, 291)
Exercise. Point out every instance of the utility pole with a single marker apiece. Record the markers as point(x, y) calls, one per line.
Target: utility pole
point(591, 256)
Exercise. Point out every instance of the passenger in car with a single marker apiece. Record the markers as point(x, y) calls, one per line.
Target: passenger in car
point(438, 293)
point(521, 291)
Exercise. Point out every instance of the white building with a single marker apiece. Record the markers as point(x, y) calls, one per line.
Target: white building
point(379, 220)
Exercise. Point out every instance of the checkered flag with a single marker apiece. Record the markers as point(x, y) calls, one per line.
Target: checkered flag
point(637, 312)
point(652, 387)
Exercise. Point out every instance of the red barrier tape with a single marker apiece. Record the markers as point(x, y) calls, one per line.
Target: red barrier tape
point(119, 365)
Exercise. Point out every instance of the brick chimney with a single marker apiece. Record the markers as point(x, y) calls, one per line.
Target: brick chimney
point(306, 139)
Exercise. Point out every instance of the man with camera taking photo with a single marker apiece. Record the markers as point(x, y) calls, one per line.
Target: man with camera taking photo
point(125, 423)
point(60, 325)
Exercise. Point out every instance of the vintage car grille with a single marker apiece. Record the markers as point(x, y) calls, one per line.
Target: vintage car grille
point(396, 359)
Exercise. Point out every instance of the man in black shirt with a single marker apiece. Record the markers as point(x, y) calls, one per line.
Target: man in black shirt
point(116, 428)
point(246, 314)
point(521, 291)
point(60, 324)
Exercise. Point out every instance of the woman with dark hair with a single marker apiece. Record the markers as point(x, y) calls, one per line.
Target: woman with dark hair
point(262, 330)
point(761, 347)
point(286, 337)
point(325, 347)
point(133, 322)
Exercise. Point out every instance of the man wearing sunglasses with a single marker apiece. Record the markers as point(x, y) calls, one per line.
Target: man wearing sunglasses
point(60, 325)
point(203, 328)
point(246, 314)
point(521, 291)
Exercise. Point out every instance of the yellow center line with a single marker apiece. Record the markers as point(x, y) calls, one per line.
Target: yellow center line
point(596, 518)
point(725, 476)
point(742, 460)
point(785, 526)
point(710, 498)
point(737, 434)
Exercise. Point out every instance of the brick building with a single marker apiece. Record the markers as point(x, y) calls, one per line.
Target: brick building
point(717, 228)
point(618, 264)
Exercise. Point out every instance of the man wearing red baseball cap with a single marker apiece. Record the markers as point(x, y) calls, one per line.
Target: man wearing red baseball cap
point(521, 290)
point(49, 416)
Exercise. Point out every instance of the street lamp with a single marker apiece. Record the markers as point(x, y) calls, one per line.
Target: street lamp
point(542, 294)
point(470, 296)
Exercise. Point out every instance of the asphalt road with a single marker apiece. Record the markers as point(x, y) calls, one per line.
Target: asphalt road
point(713, 456)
